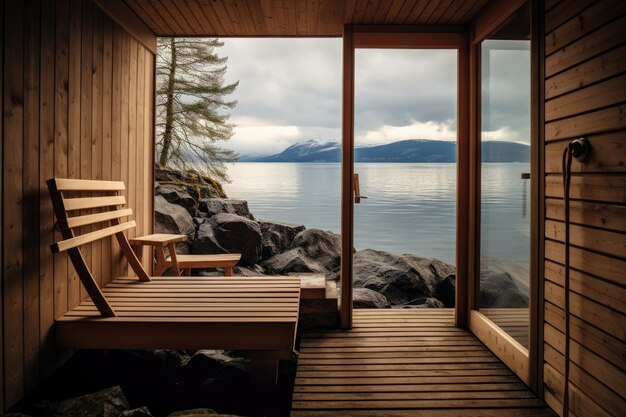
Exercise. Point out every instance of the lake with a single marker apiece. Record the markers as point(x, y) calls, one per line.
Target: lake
point(410, 206)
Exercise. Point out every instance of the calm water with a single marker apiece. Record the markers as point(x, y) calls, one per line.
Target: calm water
point(410, 207)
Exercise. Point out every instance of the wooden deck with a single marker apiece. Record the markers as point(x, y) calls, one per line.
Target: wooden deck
point(405, 363)
point(514, 321)
point(249, 314)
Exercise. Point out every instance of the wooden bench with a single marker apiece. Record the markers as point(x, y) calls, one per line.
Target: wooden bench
point(257, 316)
point(183, 264)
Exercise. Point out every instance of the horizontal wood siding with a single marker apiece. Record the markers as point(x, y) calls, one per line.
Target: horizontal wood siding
point(63, 70)
point(585, 95)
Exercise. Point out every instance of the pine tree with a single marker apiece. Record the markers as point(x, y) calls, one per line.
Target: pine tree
point(190, 106)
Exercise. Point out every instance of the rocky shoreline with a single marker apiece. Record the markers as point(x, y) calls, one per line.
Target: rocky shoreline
point(216, 224)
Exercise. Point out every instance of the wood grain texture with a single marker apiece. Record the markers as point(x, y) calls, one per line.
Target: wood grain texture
point(293, 18)
point(584, 84)
point(61, 73)
point(400, 371)
point(12, 165)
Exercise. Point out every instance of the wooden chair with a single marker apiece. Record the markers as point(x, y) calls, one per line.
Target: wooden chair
point(257, 316)
point(182, 264)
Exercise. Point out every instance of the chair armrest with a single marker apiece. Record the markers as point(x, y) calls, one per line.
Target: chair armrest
point(159, 239)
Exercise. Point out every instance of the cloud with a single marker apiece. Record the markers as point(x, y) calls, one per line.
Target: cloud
point(260, 136)
point(290, 91)
point(415, 130)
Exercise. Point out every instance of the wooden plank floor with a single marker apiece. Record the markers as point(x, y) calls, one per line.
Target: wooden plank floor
point(514, 321)
point(405, 363)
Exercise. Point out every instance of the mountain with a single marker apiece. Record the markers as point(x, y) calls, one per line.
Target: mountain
point(412, 150)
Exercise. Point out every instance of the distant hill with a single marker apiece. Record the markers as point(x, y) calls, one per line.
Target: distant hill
point(412, 150)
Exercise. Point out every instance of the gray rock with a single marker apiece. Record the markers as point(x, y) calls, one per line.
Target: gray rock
point(499, 289)
point(195, 185)
point(213, 206)
point(137, 412)
point(294, 260)
point(401, 279)
point(194, 413)
point(205, 240)
point(321, 246)
point(178, 195)
point(109, 402)
point(171, 218)
point(215, 366)
point(230, 233)
point(424, 303)
point(366, 298)
point(444, 291)
point(277, 236)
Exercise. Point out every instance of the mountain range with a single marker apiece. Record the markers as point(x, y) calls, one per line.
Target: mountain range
point(411, 150)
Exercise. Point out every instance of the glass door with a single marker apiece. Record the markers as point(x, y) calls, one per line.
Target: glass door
point(506, 214)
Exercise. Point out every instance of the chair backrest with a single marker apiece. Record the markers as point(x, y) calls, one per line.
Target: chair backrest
point(105, 203)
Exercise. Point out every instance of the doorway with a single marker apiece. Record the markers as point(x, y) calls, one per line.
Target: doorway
point(405, 178)
point(363, 39)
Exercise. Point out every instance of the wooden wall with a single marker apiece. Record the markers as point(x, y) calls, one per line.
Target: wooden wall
point(77, 100)
point(585, 95)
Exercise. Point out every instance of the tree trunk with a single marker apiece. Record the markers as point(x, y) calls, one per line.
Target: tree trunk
point(169, 107)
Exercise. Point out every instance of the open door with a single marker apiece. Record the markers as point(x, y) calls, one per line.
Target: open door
point(405, 38)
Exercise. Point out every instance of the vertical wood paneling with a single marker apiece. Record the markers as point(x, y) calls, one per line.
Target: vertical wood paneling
point(116, 130)
point(123, 264)
point(30, 245)
point(107, 77)
point(86, 119)
point(73, 146)
point(65, 93)
point(585, 67)
point(46, 170)
point(12, 165)
point(96, 127)
point(1, 202)
point(61, 89)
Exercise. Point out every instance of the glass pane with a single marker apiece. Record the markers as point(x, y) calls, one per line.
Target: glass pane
point(505, 177)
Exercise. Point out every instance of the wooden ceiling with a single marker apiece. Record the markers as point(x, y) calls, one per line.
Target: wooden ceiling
point(294, 17)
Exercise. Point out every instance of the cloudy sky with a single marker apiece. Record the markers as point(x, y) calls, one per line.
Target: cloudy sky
point(290, 91)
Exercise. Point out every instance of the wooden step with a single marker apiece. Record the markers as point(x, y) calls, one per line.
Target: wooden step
point(313, 286)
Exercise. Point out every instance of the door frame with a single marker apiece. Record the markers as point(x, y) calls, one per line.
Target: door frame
point(405, 37)
point(524, 362)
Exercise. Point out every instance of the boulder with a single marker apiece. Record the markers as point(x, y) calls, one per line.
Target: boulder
point(137, 412)
point(196, 185)
point(178, 195)
point(215, 367)
point(171, 218)
point(277, 236)
point(230, 233)
point(199, 412)
point(444, 291)
point(109, 402)
point(321, 246)
point(425, 303)
point(499, 289)
point(294, 260)
point(213, 206)
point(366, 298)
point(401, 279)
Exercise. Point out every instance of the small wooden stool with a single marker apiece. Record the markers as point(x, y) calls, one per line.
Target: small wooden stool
point(182, 264)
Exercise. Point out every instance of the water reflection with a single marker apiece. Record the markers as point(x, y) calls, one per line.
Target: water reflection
point(411, 207)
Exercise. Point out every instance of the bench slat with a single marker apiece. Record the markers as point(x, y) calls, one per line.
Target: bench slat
point(98, 217)
point(92, 202)
point(68, 184)
point(90, 237)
